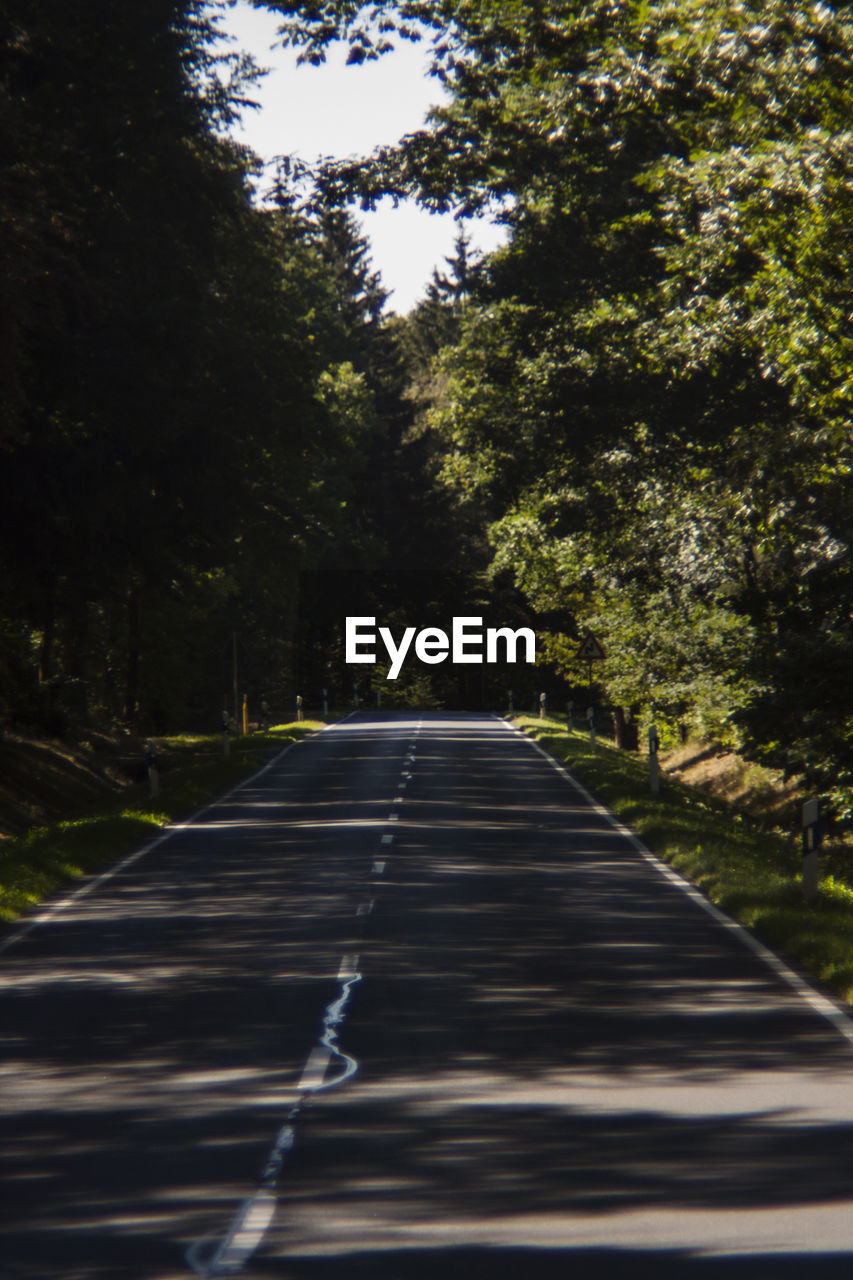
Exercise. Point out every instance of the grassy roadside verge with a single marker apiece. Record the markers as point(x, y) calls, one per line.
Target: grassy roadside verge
point(752, 874)
point(193, 770)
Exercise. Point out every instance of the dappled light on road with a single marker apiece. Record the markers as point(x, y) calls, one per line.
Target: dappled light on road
point(548, 1055)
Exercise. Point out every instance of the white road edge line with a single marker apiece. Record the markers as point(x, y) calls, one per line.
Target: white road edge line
point(819, 1003)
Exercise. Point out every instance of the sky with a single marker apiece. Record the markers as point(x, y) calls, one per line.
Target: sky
point(341, 111)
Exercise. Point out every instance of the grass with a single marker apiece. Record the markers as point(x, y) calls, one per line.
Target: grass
point(193, 770)
point(752, 874)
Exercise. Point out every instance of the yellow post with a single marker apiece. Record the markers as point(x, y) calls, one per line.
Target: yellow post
point(245, 713)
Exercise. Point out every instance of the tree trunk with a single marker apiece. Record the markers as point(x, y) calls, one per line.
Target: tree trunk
point(625, 729)
point(131, 686)
point(75, 698)
point(46, 690)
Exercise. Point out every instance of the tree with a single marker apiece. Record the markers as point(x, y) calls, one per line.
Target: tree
point(669, 318)
point(165, 408)
point(400, 550)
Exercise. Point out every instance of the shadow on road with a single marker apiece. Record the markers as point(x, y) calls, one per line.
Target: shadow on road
point(557, 1264)
point(566, 1069)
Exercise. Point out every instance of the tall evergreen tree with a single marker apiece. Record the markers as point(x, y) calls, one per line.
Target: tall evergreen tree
point(164, 408)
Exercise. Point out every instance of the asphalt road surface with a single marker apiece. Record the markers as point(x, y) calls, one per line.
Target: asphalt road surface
point(407, 1006)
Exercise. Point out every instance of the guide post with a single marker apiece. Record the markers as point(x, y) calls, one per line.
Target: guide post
point(812, 840)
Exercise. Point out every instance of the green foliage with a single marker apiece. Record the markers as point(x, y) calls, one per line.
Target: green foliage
point(634, 418)
point(647, 400)
point(409, 556)
point(199, 389)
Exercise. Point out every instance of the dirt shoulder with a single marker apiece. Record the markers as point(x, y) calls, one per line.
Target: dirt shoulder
point(45, 779)
point(762, 793)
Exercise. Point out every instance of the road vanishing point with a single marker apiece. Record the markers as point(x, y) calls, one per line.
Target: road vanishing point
point(410, 1005)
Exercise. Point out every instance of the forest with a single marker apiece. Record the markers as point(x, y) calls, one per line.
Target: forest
point(216, 442)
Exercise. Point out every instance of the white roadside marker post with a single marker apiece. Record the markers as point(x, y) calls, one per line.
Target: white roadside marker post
point(812, 840)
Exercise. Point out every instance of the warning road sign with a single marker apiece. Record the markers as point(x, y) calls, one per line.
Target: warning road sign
point(591, 649)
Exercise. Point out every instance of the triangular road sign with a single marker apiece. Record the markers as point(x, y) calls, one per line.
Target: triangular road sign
point(591, 649)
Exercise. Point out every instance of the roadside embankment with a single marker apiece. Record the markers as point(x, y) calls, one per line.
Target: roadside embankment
point(107, 816)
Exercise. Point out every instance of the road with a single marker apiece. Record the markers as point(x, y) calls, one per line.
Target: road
point(407, 1006)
